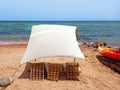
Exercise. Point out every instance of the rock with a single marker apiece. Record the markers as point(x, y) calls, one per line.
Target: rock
point(97, 44)
point(90, 44)
point(5, 81)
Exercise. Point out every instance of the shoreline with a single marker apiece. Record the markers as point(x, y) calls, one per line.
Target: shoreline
point(13, 45)
point(92, 43)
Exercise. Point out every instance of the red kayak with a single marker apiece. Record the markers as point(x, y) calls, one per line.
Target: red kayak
point(110, 52)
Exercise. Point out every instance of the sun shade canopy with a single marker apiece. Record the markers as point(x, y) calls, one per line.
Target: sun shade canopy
point(52, 40)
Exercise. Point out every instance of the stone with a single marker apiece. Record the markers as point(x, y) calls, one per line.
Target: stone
point(5, 81)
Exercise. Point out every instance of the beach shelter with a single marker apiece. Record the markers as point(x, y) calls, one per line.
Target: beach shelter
point(52, 40)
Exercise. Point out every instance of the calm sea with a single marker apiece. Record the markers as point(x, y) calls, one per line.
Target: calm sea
point(19, 32)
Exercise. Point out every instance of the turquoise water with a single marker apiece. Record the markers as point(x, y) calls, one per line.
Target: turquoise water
point(19, 32)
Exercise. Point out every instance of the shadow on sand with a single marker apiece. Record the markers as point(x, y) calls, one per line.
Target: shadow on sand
point(26, 72)
point(113, 64)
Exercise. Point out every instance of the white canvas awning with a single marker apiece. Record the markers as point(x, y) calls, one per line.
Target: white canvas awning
point(52, 40)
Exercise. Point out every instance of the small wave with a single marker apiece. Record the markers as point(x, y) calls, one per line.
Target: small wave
point(10, 43)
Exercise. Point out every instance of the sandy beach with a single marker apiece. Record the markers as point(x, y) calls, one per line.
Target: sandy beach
point(94, 75)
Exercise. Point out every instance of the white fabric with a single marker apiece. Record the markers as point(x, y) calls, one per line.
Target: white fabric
point(52, 40)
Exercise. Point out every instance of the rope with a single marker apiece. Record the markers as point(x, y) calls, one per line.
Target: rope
point(15, 71)
point(12, 80)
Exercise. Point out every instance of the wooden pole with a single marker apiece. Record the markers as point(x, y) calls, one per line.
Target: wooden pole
point(74, 59)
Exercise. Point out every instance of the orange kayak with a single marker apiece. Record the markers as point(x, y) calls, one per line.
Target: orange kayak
point(110, 52)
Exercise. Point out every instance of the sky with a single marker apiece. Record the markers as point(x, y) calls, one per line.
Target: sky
point(59, 10)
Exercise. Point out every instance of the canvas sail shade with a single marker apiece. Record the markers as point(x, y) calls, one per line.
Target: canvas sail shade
point(52, 40)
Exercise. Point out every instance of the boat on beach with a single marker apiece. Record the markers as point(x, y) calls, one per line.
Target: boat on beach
point(110, 52)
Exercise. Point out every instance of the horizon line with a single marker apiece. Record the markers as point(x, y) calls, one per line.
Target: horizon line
point(59, 20)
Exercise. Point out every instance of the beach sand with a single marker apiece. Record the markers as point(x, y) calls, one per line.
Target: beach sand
point(94, 75)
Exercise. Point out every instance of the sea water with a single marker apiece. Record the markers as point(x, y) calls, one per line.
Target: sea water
point(14, 32)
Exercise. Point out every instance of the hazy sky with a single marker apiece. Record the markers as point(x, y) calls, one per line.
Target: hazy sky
point(61, 10)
